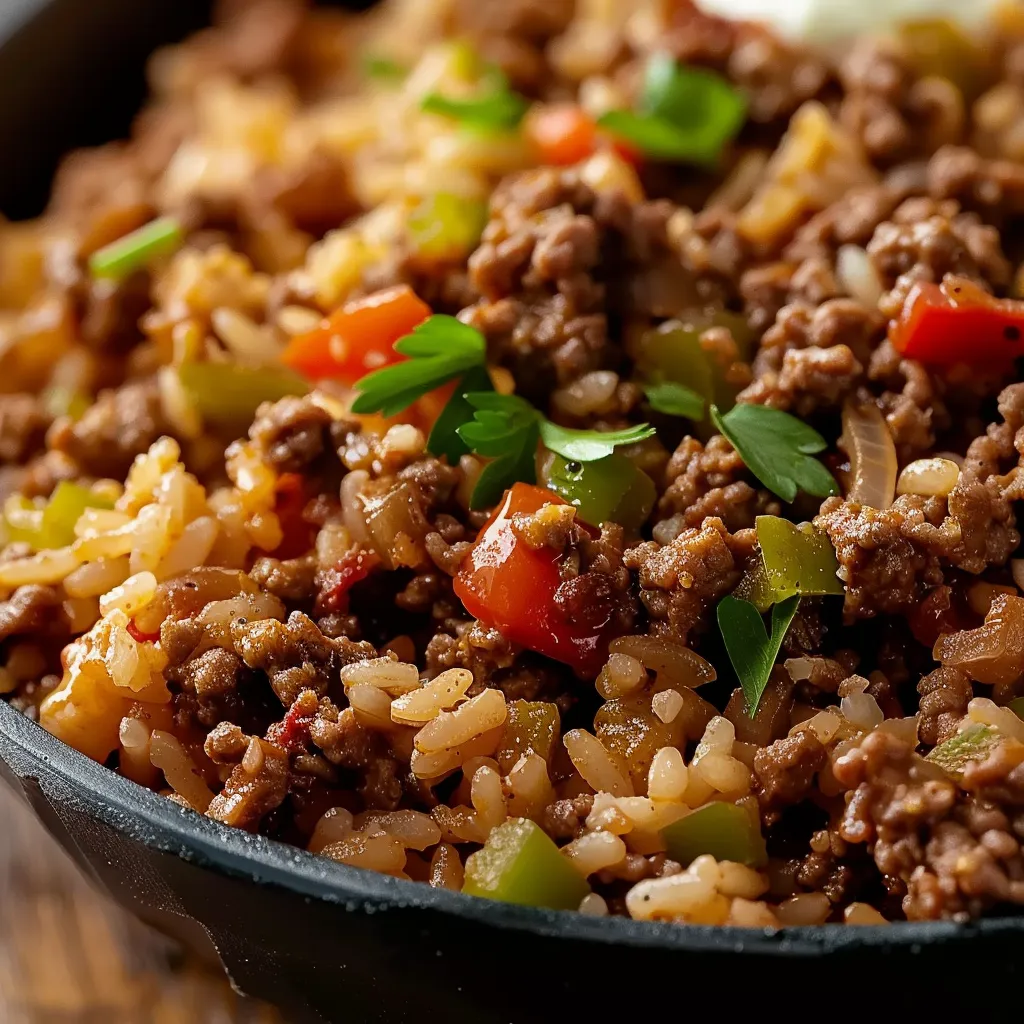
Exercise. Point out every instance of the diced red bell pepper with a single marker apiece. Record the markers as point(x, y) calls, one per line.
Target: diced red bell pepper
point(292, 732)
point(290, 502)
point(358, 338)
point(353, 568)
point(564, 134)
point(512, 587)
point(958, 322)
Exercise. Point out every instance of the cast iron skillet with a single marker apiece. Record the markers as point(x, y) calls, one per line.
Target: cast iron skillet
point(333, 943)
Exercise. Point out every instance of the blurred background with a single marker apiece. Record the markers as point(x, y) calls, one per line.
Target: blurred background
point(69, 956)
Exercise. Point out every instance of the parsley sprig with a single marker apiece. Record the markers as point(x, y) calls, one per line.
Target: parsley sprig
point(674, 399)
point(778, 449)
point(503, 428)
point(750, 648)
point(686, 114)
point(495, 107)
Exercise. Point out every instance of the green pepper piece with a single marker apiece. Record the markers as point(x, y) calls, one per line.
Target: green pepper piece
point(972, 744)
point(57, 523)
point(446, 226)
point(796, 560)
point(227, 395)
point(610, 490)
point(1017, 706)
point(725, 831)
point(532, 727)
point(520, 864)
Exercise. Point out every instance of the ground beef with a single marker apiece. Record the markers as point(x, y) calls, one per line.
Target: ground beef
point(895, 114)
point(33, 609)
point(291, 579)
point(564, 819)
point(993, 188)
point(293, 433)
point(775, 75)
point(248, 796)
point(347, 744)
point(513, 34)
point(955, 847)
point(945, 694)
point(786, 770)
point(119, 425)
point(708, 480)
point(925, 240)
point(680, 582)
point(226, 743)
point(295, 655)
point(889, 559)
point(23, 425)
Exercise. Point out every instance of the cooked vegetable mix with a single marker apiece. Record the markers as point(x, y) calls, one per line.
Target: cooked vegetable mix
point(571, 456)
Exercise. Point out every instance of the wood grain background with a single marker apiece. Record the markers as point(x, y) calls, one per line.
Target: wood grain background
point(69, 956)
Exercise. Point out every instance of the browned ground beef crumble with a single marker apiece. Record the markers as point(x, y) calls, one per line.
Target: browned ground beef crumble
point(565, 280)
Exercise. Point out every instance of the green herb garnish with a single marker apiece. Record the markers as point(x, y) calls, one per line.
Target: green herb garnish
point(496, 107)
point(778, 449)
point(686, 114)
point(122, 258)
point(505, 428)
point(675, 400)
point(751, 650)
point(383, 68)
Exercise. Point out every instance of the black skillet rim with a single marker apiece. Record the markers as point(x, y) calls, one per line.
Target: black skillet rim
point(145, 816)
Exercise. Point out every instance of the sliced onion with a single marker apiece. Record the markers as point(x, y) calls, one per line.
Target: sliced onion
point(857, 275)
point(869, 444)
point(994, 652)
point(679, 664)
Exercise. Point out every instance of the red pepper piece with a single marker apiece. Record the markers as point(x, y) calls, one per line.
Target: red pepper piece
point(358, 337)
point(354, 567)
point(507, 585)
point(292, 732)
point(958, 322)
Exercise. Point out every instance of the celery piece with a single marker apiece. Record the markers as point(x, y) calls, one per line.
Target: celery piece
point(520, 864)
point(227, 395)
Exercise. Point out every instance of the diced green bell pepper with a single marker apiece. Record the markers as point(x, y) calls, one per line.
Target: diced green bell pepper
point(973, 744)
point(446, 226)
point(1017, 706)
point(57, 523)
point(794, 560)
point(610, 490)
point(532, 727)
point(61, 401)
point(227, 395)
point(520, 864)
point(724, 830)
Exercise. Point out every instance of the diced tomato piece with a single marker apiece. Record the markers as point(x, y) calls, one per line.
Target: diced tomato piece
point(292, 732)
point(958, 322)
point(290, 503)
point(358, 338)
point(353, 568)
point(512, 587)
point(561, 133)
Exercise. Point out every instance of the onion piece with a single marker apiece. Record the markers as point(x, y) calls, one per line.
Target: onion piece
point(866, 439)
point(994, 652)
point(857, 275)
point(928, 477)
point(679, 664)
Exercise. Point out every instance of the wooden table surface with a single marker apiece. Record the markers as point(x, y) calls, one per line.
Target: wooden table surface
point(69, 956)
